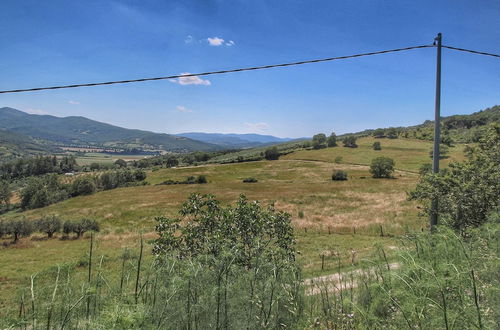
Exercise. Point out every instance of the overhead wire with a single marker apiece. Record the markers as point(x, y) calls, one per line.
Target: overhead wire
point(214, 72)
point(262, 67)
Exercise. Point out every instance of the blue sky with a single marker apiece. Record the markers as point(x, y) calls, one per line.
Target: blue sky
point(63, 42)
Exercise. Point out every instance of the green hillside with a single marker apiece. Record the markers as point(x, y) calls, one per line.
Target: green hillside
point(13, 145)
point(84, 131)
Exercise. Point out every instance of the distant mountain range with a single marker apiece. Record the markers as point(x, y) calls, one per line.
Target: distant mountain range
point(83, 131)
point(236, 141)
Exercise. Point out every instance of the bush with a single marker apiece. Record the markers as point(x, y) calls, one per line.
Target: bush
point(120, 163)
point(339, 175)
point(272, 153)
point(201, 179)
point(250, 180)
point(382, 167)
point(377, 146)
point(5, 193)
point(350, 142)
point(49, 224)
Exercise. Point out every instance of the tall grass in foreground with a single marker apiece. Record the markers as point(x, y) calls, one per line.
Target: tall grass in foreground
point(438, 281)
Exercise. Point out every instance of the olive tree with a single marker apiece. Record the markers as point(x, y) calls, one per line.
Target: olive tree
point(49, 224)
point(319, 141)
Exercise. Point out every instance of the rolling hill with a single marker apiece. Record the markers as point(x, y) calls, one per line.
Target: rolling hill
point(84, 131)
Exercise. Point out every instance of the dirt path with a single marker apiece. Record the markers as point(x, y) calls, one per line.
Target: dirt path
point(336, 282)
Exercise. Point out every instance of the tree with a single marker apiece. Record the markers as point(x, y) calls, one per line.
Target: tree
point(382, 167)
point(468, 193)
point(272, 153)
point(83, 185)
point(19, 228)
point(349, 141)
point(5, 192)
point(120, 163)
point(248, 230)
point(172, 161)
point(80, 227)
point(332, 140)
point(392, 133)
point(49, 224)
point(319, 141)
point(377, 146)
point(379, 133)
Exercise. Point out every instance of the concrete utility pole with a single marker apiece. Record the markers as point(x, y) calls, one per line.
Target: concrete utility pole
point(437, 127)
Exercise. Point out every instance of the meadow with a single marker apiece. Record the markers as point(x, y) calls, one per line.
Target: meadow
point(332, 219)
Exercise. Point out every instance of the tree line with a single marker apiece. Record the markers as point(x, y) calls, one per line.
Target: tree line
point(48, 189)
point(49, 225)
point(38, 165)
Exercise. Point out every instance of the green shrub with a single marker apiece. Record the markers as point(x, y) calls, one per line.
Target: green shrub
point(250, 180)
point(377, 146)
point(339, 175)
point(338, 159)
point(382, 167)
point(201, 179)
point(83, 185)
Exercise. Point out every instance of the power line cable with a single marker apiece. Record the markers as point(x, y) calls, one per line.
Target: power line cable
point(471, 51)
point(216, 72)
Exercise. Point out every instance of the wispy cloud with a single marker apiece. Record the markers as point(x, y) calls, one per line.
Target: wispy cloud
point(230, 43)
point(215, 41)
point(73, 102)
point(191, 80)
point(182, 108)
point(257, 127)
point(36, 111)
point(189, 39)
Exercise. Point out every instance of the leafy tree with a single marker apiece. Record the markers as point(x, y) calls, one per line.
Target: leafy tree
point(120, 163)
point(392, 133)
point(332, 140)
point(349, 141)
point(18, 228)
point(319, 141)
point(49, 224)
point(339, 175)
point(83, 185)
point(80, 227)
point(272, 153)
point(382, 167)
point(172, 161)
point(43, 191)
point(377, 146)
point(140, 175)
point(468, 192)
point(248, 230)
point(379, 133)
point(5, 192)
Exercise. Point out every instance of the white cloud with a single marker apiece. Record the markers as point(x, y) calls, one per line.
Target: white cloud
point(230, 43)
point(191, 80)
point(215, 41)
point(257, 127)
point(189, 39)
point(36, 111)
point(182, 108)
point(73, 102)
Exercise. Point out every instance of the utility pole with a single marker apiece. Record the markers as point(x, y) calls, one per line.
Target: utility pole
point(437, 128)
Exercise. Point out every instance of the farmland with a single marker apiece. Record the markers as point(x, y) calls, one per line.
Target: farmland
point(329, 216)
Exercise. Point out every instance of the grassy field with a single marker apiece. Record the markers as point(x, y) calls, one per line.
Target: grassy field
point(341, 220)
